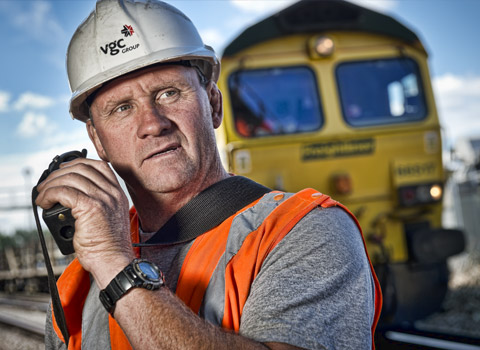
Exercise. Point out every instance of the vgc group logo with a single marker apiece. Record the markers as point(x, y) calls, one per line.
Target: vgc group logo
point(127, 30)
point(115, 46)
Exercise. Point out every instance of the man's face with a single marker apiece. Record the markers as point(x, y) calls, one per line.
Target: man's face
point(156, 127)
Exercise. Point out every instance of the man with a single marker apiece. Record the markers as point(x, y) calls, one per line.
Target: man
point(285, 271)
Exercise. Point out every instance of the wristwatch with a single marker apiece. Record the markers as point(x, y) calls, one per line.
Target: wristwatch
point(140, 273)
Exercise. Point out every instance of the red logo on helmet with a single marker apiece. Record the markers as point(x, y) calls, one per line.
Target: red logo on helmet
point(127, 30)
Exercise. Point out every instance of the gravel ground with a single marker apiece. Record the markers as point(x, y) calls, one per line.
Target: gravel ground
point(460, 315)
point(461, 308)
point(13, 338)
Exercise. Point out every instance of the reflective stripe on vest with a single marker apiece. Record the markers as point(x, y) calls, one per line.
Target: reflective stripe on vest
point(221, 265)
point(73, 287)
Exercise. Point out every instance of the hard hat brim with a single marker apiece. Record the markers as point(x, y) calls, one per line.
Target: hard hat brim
point(79, 109)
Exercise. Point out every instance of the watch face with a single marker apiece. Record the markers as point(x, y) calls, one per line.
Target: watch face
point(149, 271)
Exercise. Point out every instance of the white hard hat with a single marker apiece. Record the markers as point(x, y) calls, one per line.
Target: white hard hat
point(121, 36)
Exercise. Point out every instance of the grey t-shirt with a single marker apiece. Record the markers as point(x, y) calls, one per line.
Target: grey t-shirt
point(314, 290)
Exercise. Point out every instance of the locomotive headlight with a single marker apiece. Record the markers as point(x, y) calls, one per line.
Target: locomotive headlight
point(342, 183)
point(420, 194)
point(436, 192)
point(322, 46)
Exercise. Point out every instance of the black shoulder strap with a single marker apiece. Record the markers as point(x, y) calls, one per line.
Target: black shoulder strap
point(52, 281)
point(207, 210)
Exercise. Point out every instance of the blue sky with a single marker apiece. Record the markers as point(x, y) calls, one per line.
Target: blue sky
point(34, 93)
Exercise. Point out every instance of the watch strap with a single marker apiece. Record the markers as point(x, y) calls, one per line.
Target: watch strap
point(117, 288)
point(123, 282)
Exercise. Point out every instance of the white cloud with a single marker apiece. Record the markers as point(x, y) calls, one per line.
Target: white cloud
point(32, 100)
point(4, 99)
point(17, 185)
point(214, 38)
point(458, 103)
point(455, 86)
point(261, 7)
point(38, 20)
point(34, 124)
point(76, 136)
point(377, 5)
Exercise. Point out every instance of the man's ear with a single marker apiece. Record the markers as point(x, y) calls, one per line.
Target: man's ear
point(92, 133)
point(216, 102)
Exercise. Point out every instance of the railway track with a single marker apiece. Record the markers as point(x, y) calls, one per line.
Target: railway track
point(24, 312)
point(403, 339)
point(28, 313)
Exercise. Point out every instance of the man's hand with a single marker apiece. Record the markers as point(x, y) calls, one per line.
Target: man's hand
point(99, 205)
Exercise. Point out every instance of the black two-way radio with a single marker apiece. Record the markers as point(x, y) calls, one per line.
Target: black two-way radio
point(61, 224)
point(58, 218)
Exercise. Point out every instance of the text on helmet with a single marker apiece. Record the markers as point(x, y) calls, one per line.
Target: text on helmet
point(119, 45)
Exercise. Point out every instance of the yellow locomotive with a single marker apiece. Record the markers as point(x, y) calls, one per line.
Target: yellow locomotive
point(334, 96)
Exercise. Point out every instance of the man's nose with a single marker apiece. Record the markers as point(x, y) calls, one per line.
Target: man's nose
point(152, 121)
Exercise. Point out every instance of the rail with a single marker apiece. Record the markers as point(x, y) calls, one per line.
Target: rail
point(21, 306)
point(24, 312)
point(399, 339)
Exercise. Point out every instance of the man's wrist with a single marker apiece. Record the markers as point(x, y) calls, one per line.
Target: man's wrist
point(104, 272)
point(139, 273)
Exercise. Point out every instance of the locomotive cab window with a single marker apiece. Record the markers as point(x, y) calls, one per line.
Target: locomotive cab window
point(275, 101)
point(381, 92)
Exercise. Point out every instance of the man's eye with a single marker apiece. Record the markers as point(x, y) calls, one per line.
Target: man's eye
point(122, 108)
point(168, 95)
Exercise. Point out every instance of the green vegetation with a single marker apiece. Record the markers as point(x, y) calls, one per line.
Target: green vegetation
point(19, 239)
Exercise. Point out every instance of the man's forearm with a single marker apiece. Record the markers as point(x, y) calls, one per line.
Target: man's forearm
point(159, 320)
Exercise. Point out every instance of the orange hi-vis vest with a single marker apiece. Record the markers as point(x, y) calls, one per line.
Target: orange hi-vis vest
point(196, 280)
